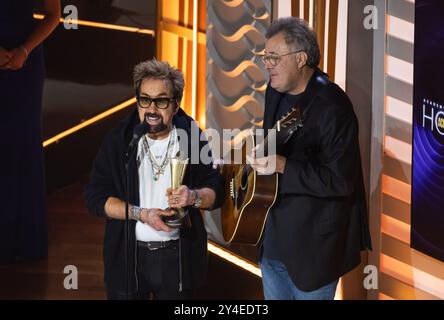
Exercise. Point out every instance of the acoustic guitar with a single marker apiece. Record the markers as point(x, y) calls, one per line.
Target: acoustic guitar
point(250, 196)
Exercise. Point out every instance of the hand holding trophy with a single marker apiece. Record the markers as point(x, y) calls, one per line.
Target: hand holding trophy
point(180, 217)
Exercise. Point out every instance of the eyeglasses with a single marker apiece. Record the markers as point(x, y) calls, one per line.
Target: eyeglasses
point(159, 103)
point(274, 59)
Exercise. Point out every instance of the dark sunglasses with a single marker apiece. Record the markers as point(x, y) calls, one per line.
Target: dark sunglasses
point(159, 103)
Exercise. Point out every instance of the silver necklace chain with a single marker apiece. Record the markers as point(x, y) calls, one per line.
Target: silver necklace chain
point(159, 169)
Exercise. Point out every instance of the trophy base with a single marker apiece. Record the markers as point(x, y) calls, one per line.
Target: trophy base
point(178, 220)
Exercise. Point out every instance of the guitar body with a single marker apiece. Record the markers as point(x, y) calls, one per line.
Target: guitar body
point(249, 198)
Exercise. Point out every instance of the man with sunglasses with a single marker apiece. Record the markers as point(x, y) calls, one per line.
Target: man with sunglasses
point(318, 225)
point(163, 262)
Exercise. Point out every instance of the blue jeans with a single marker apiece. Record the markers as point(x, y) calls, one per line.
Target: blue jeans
point(278, 285)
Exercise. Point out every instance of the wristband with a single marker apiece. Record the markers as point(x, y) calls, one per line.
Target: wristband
point(134, 213)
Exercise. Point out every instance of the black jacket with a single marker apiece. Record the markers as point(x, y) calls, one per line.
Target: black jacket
point(321, 213)
point(108, 180)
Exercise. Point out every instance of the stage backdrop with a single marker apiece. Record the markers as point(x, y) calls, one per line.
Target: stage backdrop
point(427, 234)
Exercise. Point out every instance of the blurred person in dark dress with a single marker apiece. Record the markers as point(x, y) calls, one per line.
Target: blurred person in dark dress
point(23, 226)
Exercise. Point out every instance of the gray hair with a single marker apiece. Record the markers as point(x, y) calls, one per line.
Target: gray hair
point(154, 69)
point(299, 36)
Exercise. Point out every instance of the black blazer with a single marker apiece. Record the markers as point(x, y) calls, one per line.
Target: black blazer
point(321, 213)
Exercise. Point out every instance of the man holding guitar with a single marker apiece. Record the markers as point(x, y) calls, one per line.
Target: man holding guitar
point(318, 224)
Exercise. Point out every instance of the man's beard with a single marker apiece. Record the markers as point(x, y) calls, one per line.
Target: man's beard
point(155, 128)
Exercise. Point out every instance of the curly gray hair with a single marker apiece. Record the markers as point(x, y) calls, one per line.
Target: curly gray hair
point(298, 36)
point(154, 69)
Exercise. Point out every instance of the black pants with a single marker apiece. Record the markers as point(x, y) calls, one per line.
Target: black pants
point(158, 276)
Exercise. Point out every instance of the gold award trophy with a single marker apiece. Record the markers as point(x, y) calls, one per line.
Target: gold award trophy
point(178, 167)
